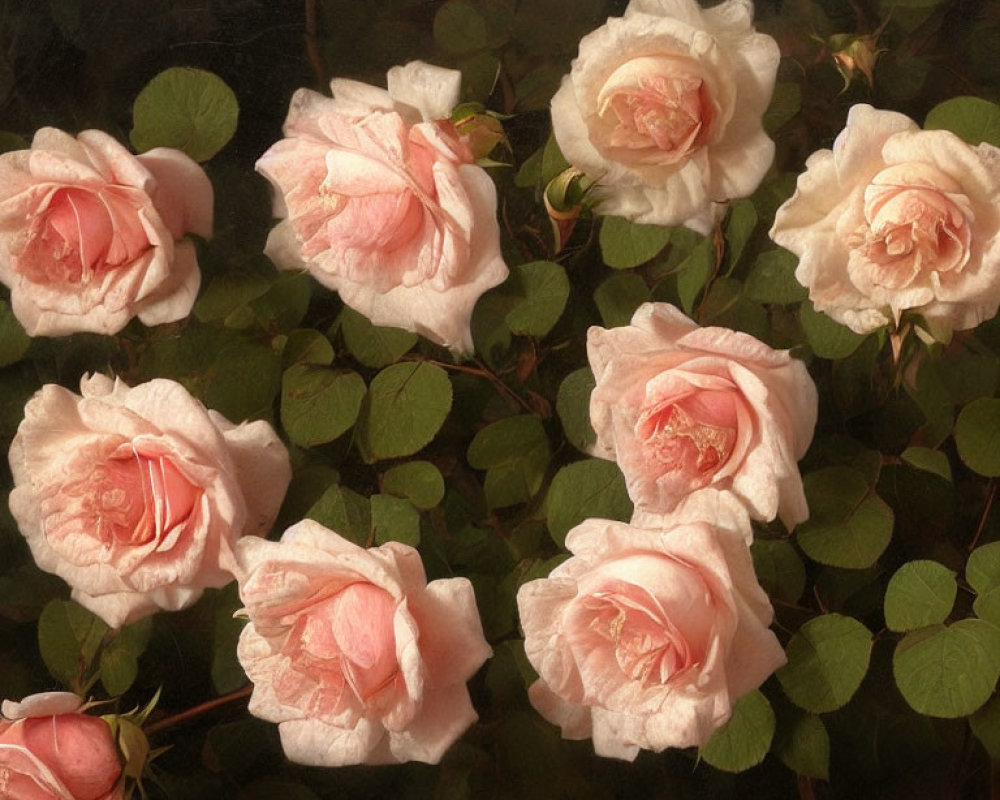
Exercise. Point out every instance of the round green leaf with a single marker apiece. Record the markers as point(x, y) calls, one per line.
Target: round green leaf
point(542, 289)
point(345, 512)
point(948, 671)
point(977, 435)
point(464, 26)
point(120, 656)
point(395, 520)
point(849, 525)
point(573, 408)
point(972, 119)
point(420, 482)
point(404, 409)
point(803, 744)
point(627, 244)
point(921, 593)
point(515, 452)
point(189, 109)
point(319, 404)
point(985, 724)
point(307, 346)
point(826, 337)
point(591, 488)
point(772, 279)
point(619, 296)
point(69, 637)
point(982, 571)
point(779, 569)
point(928, 460)
point(373, 345)
point(827, 660)
point(745, 739)
point(14, 342)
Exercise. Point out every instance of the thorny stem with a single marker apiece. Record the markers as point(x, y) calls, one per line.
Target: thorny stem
point(198, 710)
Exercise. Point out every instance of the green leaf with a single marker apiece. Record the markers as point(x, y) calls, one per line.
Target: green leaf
point(779, 569)
point(972, 119)
point(319, 404)
point(120, 656)
point(590, 488)
point(619, 296)
point(515, 453)
point(849, 525)
point(977, 436)
point(14, 342)
point(345, 512)
point(739, 227)
point(827, 660)
point(227, 672)
point(982, 571)
point(985, 724)
point(928, 460)
point(189, 109)
point(745, 739)
point(772, 279)
point(948, 671)
point(693, 273)
point(395, 520)
point(785, 104)
point(803, 744)
point(827, 338)
point(227, 296)
point(464, 26)
point(420, 482)
point(627, 244)
point(921, 593)
point(283, 306)
point(542, 289)
point(404, 409)
point(373, 345)
point(69, 637)
point(573, 408)
point(307, 346)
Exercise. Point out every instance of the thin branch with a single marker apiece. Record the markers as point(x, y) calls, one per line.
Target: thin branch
point(312, 49)
point(198, 710)
point(986, 514)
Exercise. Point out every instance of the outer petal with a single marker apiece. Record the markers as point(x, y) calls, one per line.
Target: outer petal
point(183, 195)
point(433, 91)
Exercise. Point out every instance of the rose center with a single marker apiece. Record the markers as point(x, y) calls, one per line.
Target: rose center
point(660, 112)
point(680, 438)
point(917, 221)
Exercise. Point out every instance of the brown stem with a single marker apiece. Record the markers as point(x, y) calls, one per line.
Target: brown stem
point(986, 514)
point(312, 49)
point(481, 371)
point(190, 713)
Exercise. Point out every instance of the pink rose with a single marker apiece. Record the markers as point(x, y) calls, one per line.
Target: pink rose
point(355, 656)
point(663, 107)
point(91, 235)
point(136, 496)
point(50, 750)
point(381, 202)
point(681, 408)
point(644, 639)
point(895, 219)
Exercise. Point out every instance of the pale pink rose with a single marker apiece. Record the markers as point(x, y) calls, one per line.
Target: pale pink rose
point(380, 201)
point(92, 236)
point(663, 107)
point(645, 638)
point(50, 750)
point(356, 657)
point(681, 408)
point(136, 496)
point(893, 220)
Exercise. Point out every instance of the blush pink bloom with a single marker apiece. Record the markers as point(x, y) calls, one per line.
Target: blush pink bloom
point(356, 657)
point(681, 408)
point(894, 220)
point(50, 750)
point(645, 638)
point(92, 236)
point(663, 107)
point(136, 496)
point(380, 201)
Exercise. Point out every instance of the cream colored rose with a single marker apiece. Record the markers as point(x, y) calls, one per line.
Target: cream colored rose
point(663, 107)
point(894, 220)
point(352, 652)
point(92, 236)
point(380, 201)
point(645, 638)
point(682, 408)
point(136, 496)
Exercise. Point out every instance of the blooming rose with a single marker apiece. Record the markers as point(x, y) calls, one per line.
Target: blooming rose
point(91, 235)
point(381, 201)
point(135, 496)
point(355, 656)
point(895, 219)
point(49, 750)
point(663, 108)
point(681, 407)
point(646, 638)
